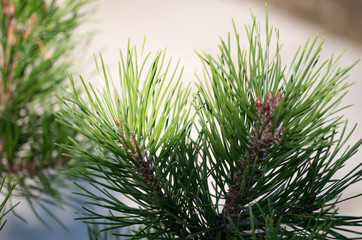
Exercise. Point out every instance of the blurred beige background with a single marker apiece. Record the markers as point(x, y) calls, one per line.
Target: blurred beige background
point(189, 25)
point(342, 17)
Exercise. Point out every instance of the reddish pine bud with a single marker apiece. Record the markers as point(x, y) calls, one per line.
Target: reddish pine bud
point(266, 108)
point(278, 98)
point(270, 97)
point(133, 142)
point(258, 103)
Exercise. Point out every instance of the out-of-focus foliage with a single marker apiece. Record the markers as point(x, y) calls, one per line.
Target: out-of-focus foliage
point(36, 42)
point(4, 200)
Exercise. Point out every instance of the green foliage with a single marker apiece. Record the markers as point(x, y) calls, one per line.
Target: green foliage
point(142, 125)
point(35, 45)
point(34, 42)
point(275, 163)
point(269, 143)
point(3, 210)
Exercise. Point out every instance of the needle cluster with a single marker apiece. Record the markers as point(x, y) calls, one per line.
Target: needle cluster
point(252, 154)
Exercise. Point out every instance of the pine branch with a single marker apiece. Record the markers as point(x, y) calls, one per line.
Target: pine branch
point(264, 161)
point(262, 137)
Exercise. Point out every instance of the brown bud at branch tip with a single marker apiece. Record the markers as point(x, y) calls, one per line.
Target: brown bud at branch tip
point(266, 108)
point(258, 103)
point(270, 97)
point(278, 98)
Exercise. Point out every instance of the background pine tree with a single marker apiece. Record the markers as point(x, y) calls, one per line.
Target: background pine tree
point(37, 39)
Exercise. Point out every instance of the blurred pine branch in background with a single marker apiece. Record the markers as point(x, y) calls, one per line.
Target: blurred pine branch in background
point(37, 38)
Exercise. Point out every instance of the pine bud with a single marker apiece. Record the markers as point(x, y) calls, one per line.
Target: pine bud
point(258, 104)
point(278, 98)
point(266, 108)
point(270, 97)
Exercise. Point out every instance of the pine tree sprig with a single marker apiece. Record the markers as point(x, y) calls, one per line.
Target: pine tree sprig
point(139, 130)
point(269, 144)
point(283, 153)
